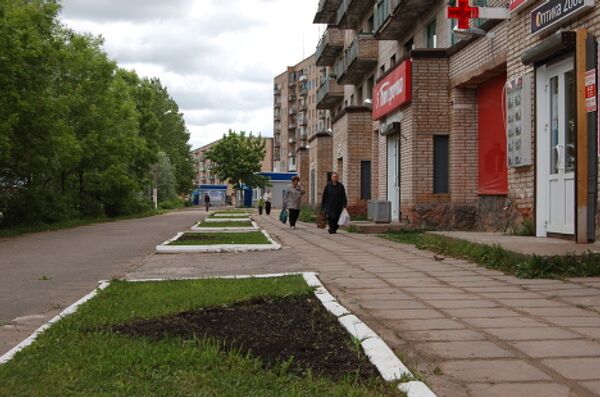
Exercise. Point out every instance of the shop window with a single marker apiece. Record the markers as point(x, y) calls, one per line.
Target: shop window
point(365, 180)
point(432, 34)
point(441, 164)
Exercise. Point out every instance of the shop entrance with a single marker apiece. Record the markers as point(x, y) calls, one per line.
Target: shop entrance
point(556, 133)
point(393, 174)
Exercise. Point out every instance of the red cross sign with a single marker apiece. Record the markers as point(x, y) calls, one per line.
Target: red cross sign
point(464, 13)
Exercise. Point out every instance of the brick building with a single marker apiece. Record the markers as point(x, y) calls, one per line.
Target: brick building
point(485, 129)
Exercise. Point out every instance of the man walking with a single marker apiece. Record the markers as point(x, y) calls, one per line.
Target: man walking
point(207, 201)
point(334, 201)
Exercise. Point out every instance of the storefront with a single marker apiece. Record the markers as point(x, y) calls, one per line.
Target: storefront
point(390, 95)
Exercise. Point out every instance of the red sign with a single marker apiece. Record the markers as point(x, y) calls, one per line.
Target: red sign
point(393, 91)
point(463, 12)
point(516, 5)
point(590, 91)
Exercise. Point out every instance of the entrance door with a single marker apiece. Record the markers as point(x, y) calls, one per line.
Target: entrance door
point(556, 142)
point(393, 174)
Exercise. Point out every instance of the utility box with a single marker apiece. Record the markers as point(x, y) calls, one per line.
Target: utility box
point(379, 211)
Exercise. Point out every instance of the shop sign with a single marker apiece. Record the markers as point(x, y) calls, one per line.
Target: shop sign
point(554, 13)
point(394, 91)
point(590, 91)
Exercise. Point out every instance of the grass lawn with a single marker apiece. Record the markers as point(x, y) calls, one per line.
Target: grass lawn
point(498, 258)
point(225, 224)
point(238, 211)
point(221, 238)
point(81, 356)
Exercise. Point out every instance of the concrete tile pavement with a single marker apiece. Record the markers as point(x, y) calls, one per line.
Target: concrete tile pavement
point(470, 331)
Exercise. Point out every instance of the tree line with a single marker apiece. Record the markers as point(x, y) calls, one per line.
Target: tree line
point(79, 136)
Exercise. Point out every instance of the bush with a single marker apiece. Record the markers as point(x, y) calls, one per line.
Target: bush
point(172, 204)
point(309, 214)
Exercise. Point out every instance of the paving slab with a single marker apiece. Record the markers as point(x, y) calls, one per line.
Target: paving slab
point(494, 371)
point(580, 368)
point(565, 348)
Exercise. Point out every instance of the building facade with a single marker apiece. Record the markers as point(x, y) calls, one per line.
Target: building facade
point(295, 118)
point(491, 128)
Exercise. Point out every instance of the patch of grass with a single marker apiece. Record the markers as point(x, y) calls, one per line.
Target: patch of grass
point(498, 258)
point(69, 224)
point(236, 211)
point(79, 357)
point(308, 214)
point(45, 278)
point(404, 236)
point(221, 238)
point(225, 224)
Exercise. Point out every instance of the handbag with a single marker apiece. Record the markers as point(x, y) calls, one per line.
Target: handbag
point(344, 220)
point(283, 216)
point(321, 220)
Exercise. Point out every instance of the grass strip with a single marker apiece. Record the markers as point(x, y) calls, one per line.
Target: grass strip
point(226, 224)
point(221, 238)
point(497, 258)
point(78, 356)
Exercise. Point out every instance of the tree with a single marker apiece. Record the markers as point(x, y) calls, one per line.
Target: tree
point(238, 158)
point(163, 175)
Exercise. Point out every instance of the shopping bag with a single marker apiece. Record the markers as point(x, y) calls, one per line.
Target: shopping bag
point(344, 220)
point(283, 217)
point(321, 220)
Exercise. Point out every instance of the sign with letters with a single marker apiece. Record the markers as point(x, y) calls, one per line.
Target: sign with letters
point(555, 13)
point(394, 91)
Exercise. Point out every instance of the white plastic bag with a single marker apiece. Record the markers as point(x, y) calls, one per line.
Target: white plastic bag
point(344, 220)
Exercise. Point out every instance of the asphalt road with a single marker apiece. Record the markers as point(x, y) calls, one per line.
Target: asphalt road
point(44, 272)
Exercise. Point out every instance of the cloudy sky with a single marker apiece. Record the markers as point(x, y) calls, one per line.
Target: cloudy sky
point(217, 57)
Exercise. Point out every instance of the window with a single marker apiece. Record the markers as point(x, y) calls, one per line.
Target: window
point(409, 45)
point(365, 180)
point(441, 163)
point(432, 35)
point(381, 70)
point(370, 28)
point(392, 61)
point(370, 86)
point(352, 103)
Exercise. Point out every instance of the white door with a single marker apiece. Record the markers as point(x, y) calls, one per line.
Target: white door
point(556, 142)
point(393, 174)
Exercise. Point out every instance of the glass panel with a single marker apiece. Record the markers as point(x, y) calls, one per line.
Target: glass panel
point(570, 121)
point(554, 117)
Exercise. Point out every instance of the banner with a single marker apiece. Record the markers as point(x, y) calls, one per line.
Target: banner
point(394, 91)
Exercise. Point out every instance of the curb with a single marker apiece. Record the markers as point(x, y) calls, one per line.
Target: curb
point(227, 219)
point(165, 248)
point(6, 357)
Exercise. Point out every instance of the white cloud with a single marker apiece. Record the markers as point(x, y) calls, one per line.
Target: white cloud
point(217, 57)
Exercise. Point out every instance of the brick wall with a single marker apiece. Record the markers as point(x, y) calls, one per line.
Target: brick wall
point(321, 152)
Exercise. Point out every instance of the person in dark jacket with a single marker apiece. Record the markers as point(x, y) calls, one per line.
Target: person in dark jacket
point(207, 201)
point(334, 201)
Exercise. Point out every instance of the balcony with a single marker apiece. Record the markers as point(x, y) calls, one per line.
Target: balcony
point(330, 93)
point(351, 13)
point(292, 140)
point(303, 105)
point(322, 114)
point(291, 126)
point(358, 60)
point(277, 116)
point(292, 98)
point(330, 46)
point(277, 104)
point(292, 163)
point(304, 91)
point(394, 17)
point(302, 119)
point(292, 111)
point(327, 11)
point(276, 90)
point(303, 133)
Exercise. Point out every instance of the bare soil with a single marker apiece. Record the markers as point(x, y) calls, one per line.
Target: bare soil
point(294, 329)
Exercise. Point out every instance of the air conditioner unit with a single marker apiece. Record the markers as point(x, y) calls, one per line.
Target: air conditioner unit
point(379, 211)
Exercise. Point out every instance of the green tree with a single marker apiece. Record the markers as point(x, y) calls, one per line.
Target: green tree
point(238, 158)
point(163, 175)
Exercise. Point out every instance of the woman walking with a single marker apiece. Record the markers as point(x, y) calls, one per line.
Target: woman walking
point(334, 201)
point(293, 200)
point(268, 198)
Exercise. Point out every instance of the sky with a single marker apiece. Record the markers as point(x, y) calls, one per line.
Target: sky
point(217, 58)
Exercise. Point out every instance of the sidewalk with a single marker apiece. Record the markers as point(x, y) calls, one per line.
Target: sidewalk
point(470, 331)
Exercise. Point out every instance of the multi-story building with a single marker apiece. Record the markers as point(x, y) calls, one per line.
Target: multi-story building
point(204, 167)
point(295, 117)
point(484, 128)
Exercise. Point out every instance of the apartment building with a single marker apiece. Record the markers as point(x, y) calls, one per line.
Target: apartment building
point(295, 118)
point(204, 167)
point(488, 129)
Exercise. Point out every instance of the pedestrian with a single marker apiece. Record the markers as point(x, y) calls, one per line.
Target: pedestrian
point(261, 204)
point(207, 201)
point(334, 202)
point(268, 198)
point(293, 200)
